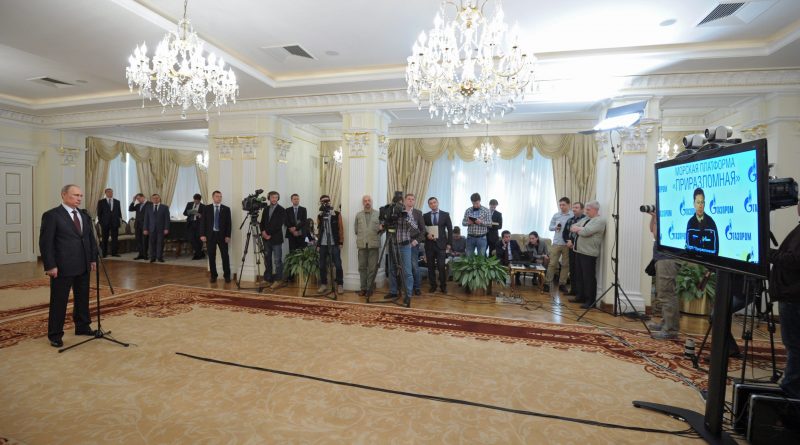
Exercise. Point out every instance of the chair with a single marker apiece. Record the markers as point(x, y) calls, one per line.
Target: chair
point(126, 235)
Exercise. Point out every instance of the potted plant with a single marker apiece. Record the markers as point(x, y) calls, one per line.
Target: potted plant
point(477, 272)
point(302, 263)
point(696, 287)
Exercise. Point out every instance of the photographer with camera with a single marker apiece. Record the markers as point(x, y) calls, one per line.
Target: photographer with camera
point(272, 220)
point(368, 240)
point(785, 288)
point(410, 232)
point(666, 273)
point(330, 237)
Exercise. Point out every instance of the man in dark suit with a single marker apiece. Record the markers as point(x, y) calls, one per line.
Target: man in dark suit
point(216, 222)
point(69, 254)
point(109, 215)
point(140, 205)
point(194, 225)
point(272, 220)
point(436, 246)
point(296, 216)
point(492, 237)
point(156, 226)
point(508, 251)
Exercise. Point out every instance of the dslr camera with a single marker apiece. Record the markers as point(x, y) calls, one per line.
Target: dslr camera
point(391, 212)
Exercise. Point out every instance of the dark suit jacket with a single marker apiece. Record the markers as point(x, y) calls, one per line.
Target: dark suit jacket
point(190, 219)
point(299, 223)
point(108, 217)
point(140, 210)
point(445, 237)
point(497, 217)
point(224, 220)
point(273, 226)
point(156, 222)
point(502, 255)
point(62, 246)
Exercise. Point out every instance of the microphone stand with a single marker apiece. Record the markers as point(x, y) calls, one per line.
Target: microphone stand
point(99, 333)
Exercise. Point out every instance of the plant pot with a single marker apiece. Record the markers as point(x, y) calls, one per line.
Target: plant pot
point(701, 306)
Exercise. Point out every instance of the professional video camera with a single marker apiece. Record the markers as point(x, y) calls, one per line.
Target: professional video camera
point(254, 203)
point(390, 213)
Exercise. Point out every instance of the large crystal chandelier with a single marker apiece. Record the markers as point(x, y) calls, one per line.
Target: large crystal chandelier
point(470, 68)
point(180, 75)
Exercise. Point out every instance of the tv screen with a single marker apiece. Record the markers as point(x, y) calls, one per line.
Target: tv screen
point(713, 209)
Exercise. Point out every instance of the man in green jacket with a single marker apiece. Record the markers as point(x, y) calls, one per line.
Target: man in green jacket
point(591, 232)
point(368, 242)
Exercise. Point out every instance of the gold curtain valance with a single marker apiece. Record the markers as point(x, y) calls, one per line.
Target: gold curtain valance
point(431, 149)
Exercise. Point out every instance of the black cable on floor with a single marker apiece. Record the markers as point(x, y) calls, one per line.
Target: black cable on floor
point(683, 433)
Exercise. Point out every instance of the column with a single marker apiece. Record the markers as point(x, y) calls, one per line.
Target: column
point(364, 172)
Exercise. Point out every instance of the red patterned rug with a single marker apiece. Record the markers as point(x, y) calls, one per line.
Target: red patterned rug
point(664, 359)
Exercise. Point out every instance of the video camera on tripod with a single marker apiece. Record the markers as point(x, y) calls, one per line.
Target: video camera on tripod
point(391, 212)
point(253, 203)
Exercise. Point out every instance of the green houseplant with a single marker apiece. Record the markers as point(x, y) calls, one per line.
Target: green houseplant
point(302, 263)
point(479, 272)
point(695, 298)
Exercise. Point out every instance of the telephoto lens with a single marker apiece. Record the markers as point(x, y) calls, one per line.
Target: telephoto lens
point(647, 208)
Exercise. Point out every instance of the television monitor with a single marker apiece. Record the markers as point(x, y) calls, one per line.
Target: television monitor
point(713, 207)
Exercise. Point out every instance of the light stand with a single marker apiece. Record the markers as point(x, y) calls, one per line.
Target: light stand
point(615, 254)
point(98, 333)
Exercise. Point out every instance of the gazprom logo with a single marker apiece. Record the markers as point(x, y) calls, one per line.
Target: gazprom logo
point(719, 210)
point(683, 210)
point(752, 173)
point(749, 205)
point(675, 236)
point(736, 236)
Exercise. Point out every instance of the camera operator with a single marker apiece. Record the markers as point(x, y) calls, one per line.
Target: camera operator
point(666, 273)
point(368, 239)
point(272, 220)
point(410, 233)
point(785, 288)
point(330, 237)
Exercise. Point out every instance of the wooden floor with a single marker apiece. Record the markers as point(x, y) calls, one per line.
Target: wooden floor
point(539, 306)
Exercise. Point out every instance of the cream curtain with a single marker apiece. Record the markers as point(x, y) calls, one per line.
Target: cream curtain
point(156, 168)
point(202, 181)
point(574, 159)
point(331, 178)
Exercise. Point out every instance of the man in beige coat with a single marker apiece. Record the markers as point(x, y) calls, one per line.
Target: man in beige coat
point(367, 227)
point(591, 232)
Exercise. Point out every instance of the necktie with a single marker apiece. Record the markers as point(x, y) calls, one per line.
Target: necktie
point(508, 248)
point(155, 209)
point(216, 218)
point(111, 204)
point(295, 214)
point(435, 218)
point(76, 221)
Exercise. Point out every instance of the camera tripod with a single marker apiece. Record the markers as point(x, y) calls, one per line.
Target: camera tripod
point(390, 243)
point(253, 235)
point(98, 333)
point(330, 269)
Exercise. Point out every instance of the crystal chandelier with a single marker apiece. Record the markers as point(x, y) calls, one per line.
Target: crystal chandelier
point(180, 75)
point(337, 156)
point(487, 152)
point(468, 69)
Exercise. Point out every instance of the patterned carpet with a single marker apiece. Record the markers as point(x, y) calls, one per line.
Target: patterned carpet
point(102, 393)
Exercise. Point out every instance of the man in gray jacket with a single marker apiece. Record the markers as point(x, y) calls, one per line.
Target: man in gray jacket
point(559, 252)
point(591, 232)
point(368, 242)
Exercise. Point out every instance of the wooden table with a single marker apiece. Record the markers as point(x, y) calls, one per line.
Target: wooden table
point(539, 270)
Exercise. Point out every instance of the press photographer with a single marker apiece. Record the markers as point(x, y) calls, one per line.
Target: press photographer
point(330, 237)
point(785, 288)
point(409, 233)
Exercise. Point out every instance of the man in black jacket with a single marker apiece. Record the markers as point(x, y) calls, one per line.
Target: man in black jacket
point(194, 225)
point(216, 222)
point(140, 205)
point(109, 215)
point(436, 246)
point(508, 251)
point(156, 226)
point(785, 288)
point(69, 255)
point(493, 233)
point(272, 220)
point(296, 216)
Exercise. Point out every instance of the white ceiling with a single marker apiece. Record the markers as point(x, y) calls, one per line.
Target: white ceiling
point(90, 40)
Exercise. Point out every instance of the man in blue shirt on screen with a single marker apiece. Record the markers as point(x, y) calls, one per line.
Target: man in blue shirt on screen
point(701, 230)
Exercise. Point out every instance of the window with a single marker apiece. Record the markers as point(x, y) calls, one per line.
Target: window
point(185, 189)
point(122, 178)
point(524, 189)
